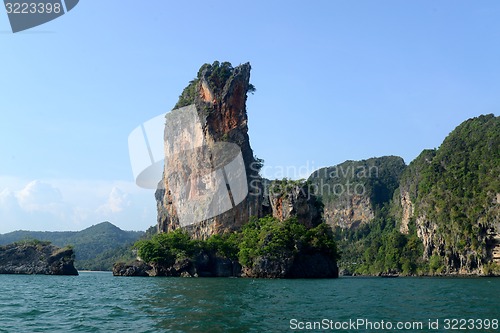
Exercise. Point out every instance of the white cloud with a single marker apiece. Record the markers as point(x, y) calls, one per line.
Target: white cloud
point(117, 201)
point(58, 204)
point(8, 200)
point(39, 196)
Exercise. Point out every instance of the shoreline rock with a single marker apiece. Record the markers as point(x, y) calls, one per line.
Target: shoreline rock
point(36, 257)
point(303, 266)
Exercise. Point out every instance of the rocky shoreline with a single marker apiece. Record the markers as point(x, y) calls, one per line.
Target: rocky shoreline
point(36, 257)
point(209, 265)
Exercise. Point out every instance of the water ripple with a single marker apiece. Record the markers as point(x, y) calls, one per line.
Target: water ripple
point(99, 302)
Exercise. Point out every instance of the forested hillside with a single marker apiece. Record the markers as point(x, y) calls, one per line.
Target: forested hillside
point(451, 196)
point(444, 218)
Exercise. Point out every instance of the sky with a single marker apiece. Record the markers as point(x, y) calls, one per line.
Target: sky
point(336, 80)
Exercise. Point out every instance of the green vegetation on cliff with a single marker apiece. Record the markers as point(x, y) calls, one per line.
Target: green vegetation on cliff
point(376, 178)
point(165, 248)
point(265, 237)
point(354, 192)
point(357, 197)
point(217, 75)
point(379, 248)
point(271, 238)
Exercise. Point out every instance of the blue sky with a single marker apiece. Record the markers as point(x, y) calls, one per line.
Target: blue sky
point(336, 81)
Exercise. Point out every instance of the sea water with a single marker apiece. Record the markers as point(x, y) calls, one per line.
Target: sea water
point(99, 302)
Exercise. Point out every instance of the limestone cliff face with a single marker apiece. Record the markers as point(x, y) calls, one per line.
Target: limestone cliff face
point(218, 96)
point(39, 258)
point(462, 257)
point(456, 258)
point(201, 134)
point(405, 196)
point(353, 190)
point(408, 210)
point(350, 211)
point(289, 198)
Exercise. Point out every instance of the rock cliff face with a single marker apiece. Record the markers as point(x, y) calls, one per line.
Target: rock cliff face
point(352, 191)
point(288, 198)
point(451, 196)
point(350, 211)
point(218, 97)
point(404, 198)
point(39, 258)
point(209, 121)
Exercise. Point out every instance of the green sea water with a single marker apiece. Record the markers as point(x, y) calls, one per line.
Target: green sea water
point(99, 302)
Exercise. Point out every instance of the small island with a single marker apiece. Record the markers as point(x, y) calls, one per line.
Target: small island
point(36, 257)
point(265, 248)
point(274, 229)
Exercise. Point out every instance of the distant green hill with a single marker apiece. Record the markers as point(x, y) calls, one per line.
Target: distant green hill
point(96, 248)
